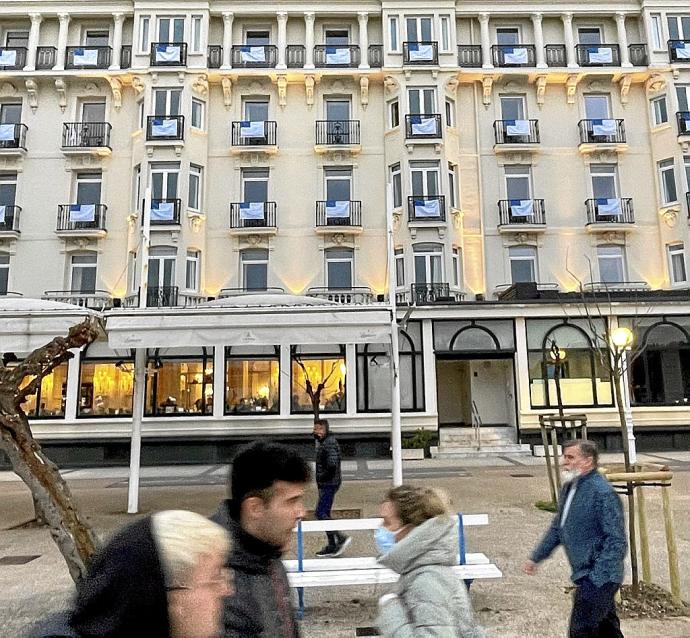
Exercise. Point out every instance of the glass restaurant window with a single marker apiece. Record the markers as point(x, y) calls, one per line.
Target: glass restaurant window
point(322, 363)
point(252, 380)
point(49, 400)
point(106, 387)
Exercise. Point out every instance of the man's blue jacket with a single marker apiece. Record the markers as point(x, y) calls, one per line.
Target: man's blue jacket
point(593, 534)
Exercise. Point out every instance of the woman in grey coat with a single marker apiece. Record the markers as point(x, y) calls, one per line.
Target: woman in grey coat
point(419, 541)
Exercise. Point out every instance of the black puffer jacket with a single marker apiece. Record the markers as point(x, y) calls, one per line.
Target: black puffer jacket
point(328, 462)
point(261, 606)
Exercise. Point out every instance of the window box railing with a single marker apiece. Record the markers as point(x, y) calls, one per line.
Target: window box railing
point(337, 132)
point(12, 58)
point(683, 119)
point(295, 55)
point(252, 215)
point(470, 56)
point(355, 295)
point(419, 127)
point(521, 211)
point(247, 133)
point(164, 127)
point(555, 55)
point(214, 56)
point(679, 50)
point(13, 136)
point(598, 55)
point(612, 210)
point(81, 217)
point(425, 208)
point(9, 218)
point(638, 54)
point(165, 212)
point(126, 56)
point(96, 300)
point(168, 54)
point(511, 55)
point(604, 131)
point(422, 52)
point(424, 294)
point(88, 57)
point(45, 58)
point(338, 213)
point(254, 56)
point(375, 56)
point(340, 56)
point(162, 296)
point(516, 131)
point(86, 135)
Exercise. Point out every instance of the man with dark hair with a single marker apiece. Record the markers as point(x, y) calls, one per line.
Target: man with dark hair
point(589, 524)
point(266, 487)
point(328, 480)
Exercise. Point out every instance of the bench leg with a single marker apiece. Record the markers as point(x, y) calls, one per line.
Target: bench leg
point(300, 597)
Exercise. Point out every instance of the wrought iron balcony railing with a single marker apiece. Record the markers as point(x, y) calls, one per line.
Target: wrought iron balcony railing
point(355, 295)
point(516, 131)
point(507, 55)
point(337, 132)
point(86, 57)
point(295, 55)
point(375, 56)
point(555, 55)
point(9, 218)
point(81, 217)
point(338, 213)
point(421, 52)
point(13, 136)
point(86, 135)
point(683, 119)
point(513, 212)
point(214, 56)
point(45, 58)
point(425, 294)
point(252, 215)
point(638, 54)
point(598, 55)
point(679, 51)
point(470, 56)
point(164, 127)
point(96, 299)
point(340, 56)
point(168, 54)
point(12, 58)
point(254, 56)
point(126, 56)
point(419, 127)
point(426, 208)
point(610, 210)
point(604, 131)
point(248, 133)
point(165, 212)
point(162, 296)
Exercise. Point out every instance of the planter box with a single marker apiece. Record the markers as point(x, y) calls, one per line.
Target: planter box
point(413, 454)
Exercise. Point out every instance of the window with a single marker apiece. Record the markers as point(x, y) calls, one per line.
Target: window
point(337, 109)
point(611, 264)
point(589, 35)
point(167, 101)
point(686, 161)
point(96, 38)
point(164, 180)
point(678, 27)
point(11, 113)
point(450, 112)
point(424, 178)
point(399, 267)
point(192, 270)
point(597, 106)
point(419, 29)
point(393, 34)
point(394, 113)
point(93, 111)
point(83, 274)
point(513, 107)
point(507, 36)
point(338, 184)
point(421, 101)
point(457, 267)
point(171, 29)
point(396, 182)
point(141, 113)
point(105, 388)
point(659, 110)
point(319, 364)
point(49, 400)
point(254, 266)
point(194, 196)
point(667, 181)
point(136, 188)
point(88, 188)
point(604, 181)
point(8, 190)
point(196, 34)
point(255, 184)
point(197, 113)
point(144, 25)
point(656, 31)
point(257, 37)
point(676, 264)
point(373, 377)
point(445, 33)
point(132, 270)
point(428, 263)
point(523, 264)
point(683, 95)
point(4, 273)
point(252, 380)
point(161, 276)
point(337, 37)
point(518, 182)
point(339, 267)
point(255, 109)
point(17, 39)
point(452, 185)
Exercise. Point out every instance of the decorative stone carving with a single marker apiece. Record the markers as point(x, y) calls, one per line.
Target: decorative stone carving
point(138, 85)
point(625, 83)
point(669, 216)
point(61, 89)
point(8, 89)
point(364, 91)
point(541, 89)
point(655, 82)
point(226, 83)
point(32, 93)
point(570, 88)
point(116, 88)
point(309, 88)
point(200, 84)
point(487, 85)
point(254, 240)
point(282, 83)
point(391, 84)
point(195, 221)
point(338, 238)
point(397, 218)
point(452, 84)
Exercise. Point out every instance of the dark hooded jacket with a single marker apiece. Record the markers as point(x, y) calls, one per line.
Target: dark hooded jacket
point(328, 462)
point(261, 606)
point(123, 594)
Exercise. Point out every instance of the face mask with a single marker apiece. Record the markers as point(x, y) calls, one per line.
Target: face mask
point(385, 539)
point(569, 475)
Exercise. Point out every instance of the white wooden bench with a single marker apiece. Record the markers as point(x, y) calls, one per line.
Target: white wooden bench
point(365, 570)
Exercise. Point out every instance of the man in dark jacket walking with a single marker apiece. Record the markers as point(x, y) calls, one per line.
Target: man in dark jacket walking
point(267, 487)
point(589, 524)
point(328, 480)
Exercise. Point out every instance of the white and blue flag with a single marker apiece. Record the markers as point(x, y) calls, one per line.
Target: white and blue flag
point(168, 53)
point(85, 57)
point(608, 206)
point(420, 52)
point(162, 211)
point(251, 210)
point(252, 54)
point(337, 208)
point(82, 212)
point(8, 57)
point(164, 127)
point(517, 127)
point(6, 132)
point(600, 55)
point(685, 123)
point(521, 207)
point(252, 129)
point(423, 124)
point(604, 127)
point(337, 55)
point(515, 55)
point(682, 50)
point(427, 208)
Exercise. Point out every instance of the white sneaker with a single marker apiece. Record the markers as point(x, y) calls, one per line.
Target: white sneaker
point(342, 547)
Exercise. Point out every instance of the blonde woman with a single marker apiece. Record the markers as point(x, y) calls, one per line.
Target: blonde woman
point(418, 540)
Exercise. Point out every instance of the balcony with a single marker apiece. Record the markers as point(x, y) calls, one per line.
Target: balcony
point(13, 139)
point(255, 136)
point(12, 58)
point(513, 55)
point(168, 54)
point(436, 293)
point(470, 56)
point(333, 216)
point(357, 295)
point(421, 53)
point(375, 56)
point(334, 135)
point(426, 208)
point(162, 296)
point(556, 55)
point(295, 55)
point(234, 292)
point(683, 119)
point(525, 215)
point(253, 218)
point(90, 138)
point(638, 54)
point(88, 57)
point(160, 128)
point(599, 135)
point(510, 135)
point(214, 56)
point(598, 55)
point(679, 51)
point(260, 56)
point(336, 56)
point(606, 214)
point(423, 127)
point(165, 212)
point(9, 221)
point(45, 58)
point(96, 300)
point(81, 220)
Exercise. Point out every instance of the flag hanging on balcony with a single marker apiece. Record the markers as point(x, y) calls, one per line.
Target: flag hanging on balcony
point(85, 57)
point(420, 52)
point(251, 210)
point(604, 127)
point(685, 123)
point(517, 127)
point(600, 55)
point(2, 214)
point(164, 127)
point(608, 206)
point(682, 49)
point(168, 53)
point(253, 54)
point(427, 208)
point(6, 132)
point(252, 129)
point(521, 207)
point(162, 211)
point(423, 125)
point(337, 208)
point(82, 212)
point(8, 58)
point(515, 55)
point(337, 55)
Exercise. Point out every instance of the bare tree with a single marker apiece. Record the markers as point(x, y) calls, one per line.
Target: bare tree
point(314, 389)
point(52, 497)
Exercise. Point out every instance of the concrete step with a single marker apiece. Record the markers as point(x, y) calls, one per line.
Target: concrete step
point(453, 438)
point(464, 452)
